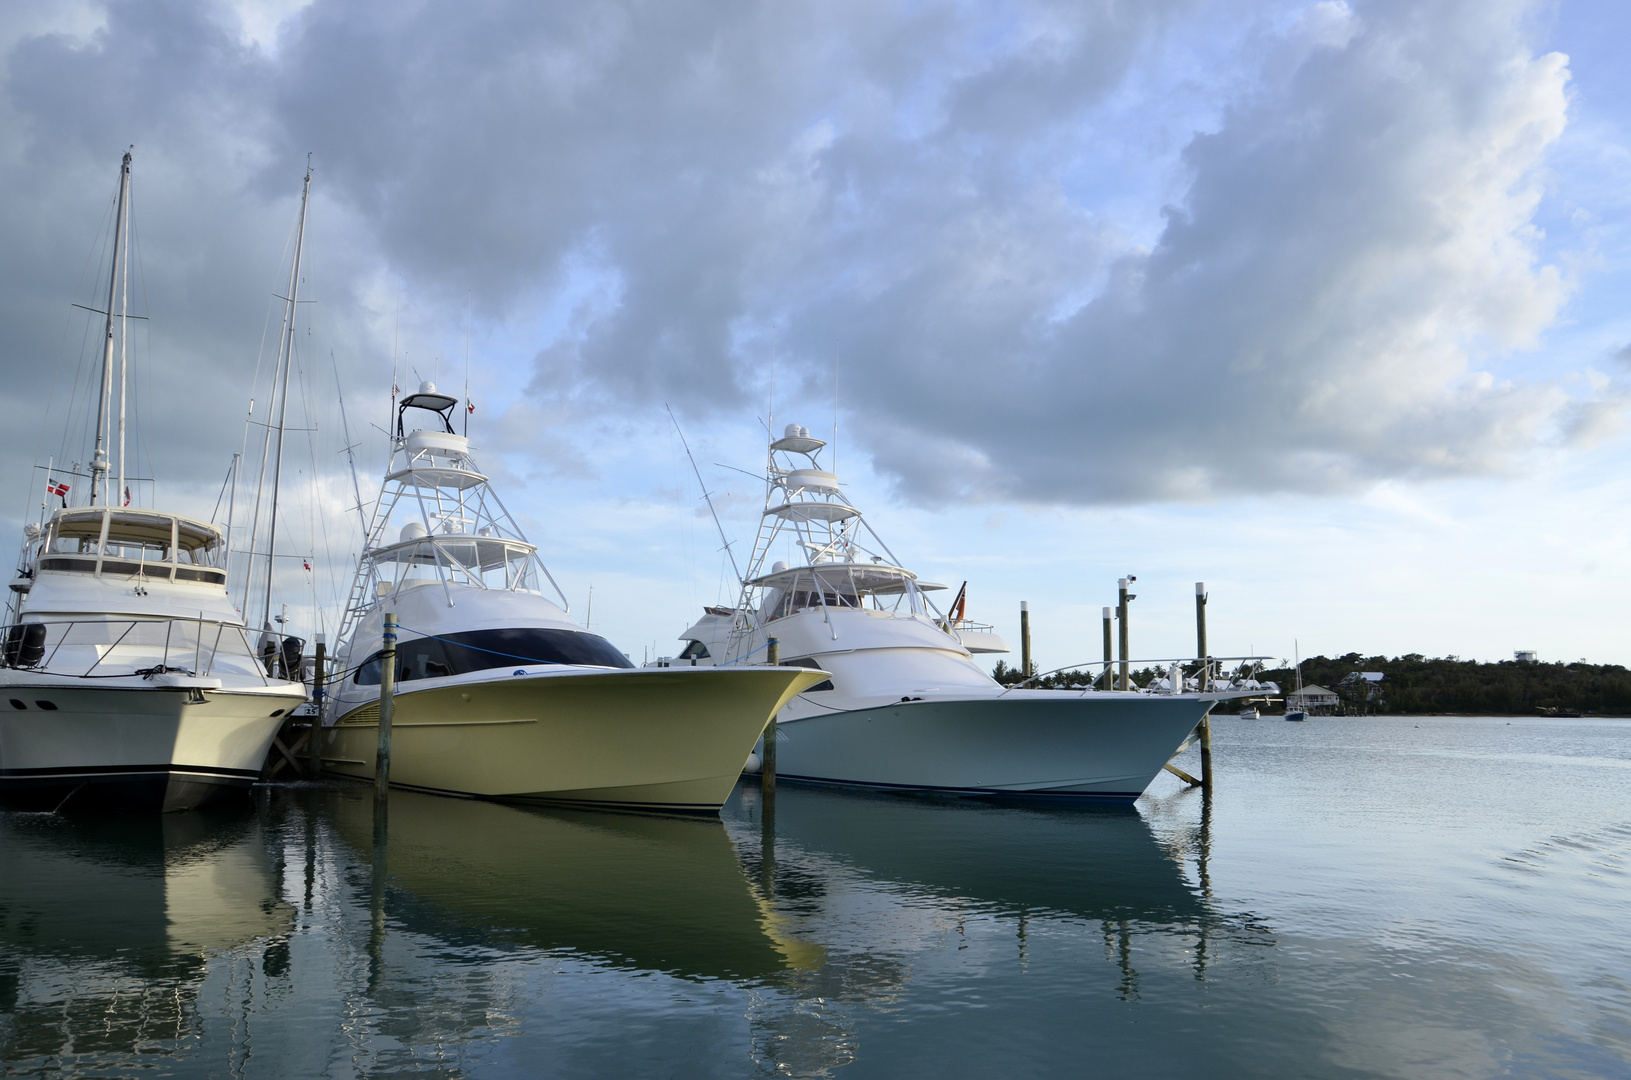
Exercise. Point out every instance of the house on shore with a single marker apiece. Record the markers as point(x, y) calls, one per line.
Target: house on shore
point(1314, 699)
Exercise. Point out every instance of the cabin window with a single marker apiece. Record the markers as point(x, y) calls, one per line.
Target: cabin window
point(806, 662)
point(483, 650)
point(694, 650)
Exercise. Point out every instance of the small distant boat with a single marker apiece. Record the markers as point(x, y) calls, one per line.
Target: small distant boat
point(1249, 713)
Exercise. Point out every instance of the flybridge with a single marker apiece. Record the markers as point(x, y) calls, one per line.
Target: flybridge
point(438, 521)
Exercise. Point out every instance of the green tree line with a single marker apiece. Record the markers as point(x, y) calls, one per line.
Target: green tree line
point(1414, 685)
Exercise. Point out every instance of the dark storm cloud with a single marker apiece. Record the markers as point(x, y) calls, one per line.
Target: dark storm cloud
point(711, 187)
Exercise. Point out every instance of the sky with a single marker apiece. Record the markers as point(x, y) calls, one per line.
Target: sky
point(1319, 303)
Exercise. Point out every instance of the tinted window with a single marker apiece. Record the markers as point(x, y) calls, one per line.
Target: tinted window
point(694, 650)
point(482, 650)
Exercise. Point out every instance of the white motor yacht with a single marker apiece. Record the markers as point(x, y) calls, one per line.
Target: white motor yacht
point(499, 692)
point(906, 707)
point(127, 678)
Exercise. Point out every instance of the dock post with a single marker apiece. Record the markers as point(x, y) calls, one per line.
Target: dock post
point(767, 771)
point(1109, 617)
point(1206, 670)
point(387, 706)
point(314, 752)
point(1121, 613)
point(1025, 638)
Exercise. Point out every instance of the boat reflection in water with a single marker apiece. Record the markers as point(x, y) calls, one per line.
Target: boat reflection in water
point(662, 894)
point(107, 925)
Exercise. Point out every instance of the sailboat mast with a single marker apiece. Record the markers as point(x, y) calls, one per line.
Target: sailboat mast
point(287, 348)
point(124, 361)
point(99, 459)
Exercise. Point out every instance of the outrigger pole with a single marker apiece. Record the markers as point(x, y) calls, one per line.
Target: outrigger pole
point(708, 498)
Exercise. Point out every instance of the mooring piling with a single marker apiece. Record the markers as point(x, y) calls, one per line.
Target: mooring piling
point(1122, 599)
point(387, 706)
point(1025, 639)
point(1206, 670)
point(767, 770)
point(1109, 617)
point(314, 750)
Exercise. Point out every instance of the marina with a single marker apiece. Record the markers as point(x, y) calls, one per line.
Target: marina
point(445, 640)
point(1374, 897)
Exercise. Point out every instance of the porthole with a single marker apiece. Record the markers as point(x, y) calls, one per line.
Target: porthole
point(15, 704)
point(47, 706)
point(278, 713)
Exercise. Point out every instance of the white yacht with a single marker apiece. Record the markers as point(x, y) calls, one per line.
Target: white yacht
point(127, 678)
point(906, 707)
point(499, 692)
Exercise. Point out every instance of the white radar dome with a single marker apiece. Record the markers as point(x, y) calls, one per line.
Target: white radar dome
point(413, 530)
point(427, 387)
point(778, 567)
point(792, 431)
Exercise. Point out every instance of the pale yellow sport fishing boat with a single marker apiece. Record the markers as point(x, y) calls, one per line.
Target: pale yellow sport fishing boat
point(500, 694)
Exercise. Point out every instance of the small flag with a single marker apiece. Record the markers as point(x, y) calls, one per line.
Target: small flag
point(127, 496)
point(471, 406)
point(57, 487)
point(306, 563)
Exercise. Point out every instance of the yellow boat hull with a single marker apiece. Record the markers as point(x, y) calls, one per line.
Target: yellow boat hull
point(665, 739)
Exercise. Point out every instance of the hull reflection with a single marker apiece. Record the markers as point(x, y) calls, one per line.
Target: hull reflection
point(660, 894)
point(107, 925)
point(1100, 863)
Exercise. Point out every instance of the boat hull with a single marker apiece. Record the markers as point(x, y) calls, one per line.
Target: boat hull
point(668, 740)
point(132, 748)
point(1034, 746)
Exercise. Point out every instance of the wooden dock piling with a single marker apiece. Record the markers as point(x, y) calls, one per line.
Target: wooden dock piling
point(387, 706)
point(1121, 613)
point(767, 770)
point(1109, 659)
point(1206, 669)
point(314, 738)
point(1025, 639)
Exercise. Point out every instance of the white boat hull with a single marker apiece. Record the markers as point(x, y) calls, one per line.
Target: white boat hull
point(1044, 745)
point(132, 747)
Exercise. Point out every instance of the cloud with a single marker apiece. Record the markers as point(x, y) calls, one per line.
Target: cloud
point(655, 202)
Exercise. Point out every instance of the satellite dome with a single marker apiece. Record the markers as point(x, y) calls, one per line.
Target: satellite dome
point(413, 530)
point(778, 567)
point(427, 387)
point(804, 433)
point(792, 431)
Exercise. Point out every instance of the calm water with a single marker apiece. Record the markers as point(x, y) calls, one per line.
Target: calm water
point(1401, 898)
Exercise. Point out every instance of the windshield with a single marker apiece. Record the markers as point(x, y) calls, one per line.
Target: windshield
point(484, 650)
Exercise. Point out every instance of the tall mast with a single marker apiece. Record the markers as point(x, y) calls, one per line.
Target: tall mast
point(286, 351)
point(99, 459)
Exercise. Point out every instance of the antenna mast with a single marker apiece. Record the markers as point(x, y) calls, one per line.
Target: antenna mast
point(99, 458)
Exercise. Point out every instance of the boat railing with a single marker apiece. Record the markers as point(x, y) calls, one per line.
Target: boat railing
point(120, 648)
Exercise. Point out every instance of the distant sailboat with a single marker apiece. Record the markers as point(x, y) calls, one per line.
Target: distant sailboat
point(1294, 704)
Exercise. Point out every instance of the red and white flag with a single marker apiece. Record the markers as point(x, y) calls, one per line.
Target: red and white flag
point(306, 563)
point(57, 487)
point(127, 496)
